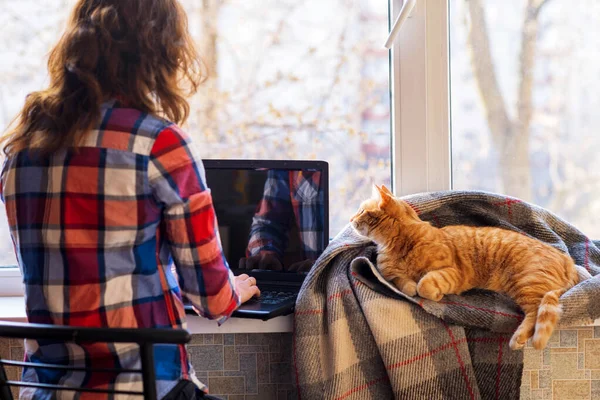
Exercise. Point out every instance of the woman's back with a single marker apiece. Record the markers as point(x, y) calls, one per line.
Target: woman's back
point(95, 228)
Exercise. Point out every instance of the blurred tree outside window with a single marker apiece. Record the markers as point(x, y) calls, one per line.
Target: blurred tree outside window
point(288, 79)
point(525, 91)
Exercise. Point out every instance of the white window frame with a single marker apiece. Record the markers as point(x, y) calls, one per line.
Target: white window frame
point(421, 151)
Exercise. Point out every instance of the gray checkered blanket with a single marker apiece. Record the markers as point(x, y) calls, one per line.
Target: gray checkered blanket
point(357, 337)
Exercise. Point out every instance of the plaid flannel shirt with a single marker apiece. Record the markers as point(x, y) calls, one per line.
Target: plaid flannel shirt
point(289, 196)
point(96, 230)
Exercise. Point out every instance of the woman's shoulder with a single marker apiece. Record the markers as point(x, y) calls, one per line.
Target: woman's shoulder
point(117, 117)
point(147, 130)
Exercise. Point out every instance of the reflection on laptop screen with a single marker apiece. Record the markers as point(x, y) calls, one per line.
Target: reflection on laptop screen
point(272, 215)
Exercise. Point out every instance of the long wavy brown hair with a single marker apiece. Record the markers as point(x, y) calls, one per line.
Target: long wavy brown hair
point(137, 51)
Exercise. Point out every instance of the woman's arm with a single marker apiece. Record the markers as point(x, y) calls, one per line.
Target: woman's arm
point(177, 179)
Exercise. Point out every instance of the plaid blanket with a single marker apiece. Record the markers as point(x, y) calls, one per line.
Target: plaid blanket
point(357, 337)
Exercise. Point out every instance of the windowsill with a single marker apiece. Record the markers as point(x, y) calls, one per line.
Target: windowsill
point(197, 324)
point(11, 282)
point(13, 309)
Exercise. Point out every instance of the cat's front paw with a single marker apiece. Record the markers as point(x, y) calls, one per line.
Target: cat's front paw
point(409, 288)
point(428, 289)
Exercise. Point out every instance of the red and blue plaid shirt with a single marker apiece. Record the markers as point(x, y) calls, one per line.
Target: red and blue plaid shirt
point(289, 197)
point(96, 230)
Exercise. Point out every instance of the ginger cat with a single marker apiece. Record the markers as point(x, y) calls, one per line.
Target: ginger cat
point(420, 258)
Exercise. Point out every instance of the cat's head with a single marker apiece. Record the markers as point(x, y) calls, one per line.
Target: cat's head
point(382, 214)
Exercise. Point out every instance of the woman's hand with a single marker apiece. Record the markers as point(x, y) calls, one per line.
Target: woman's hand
point(246, 287)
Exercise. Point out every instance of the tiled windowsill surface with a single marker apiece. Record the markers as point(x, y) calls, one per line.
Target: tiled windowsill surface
point(241, 360)
point(568, 369)
point(239, 366)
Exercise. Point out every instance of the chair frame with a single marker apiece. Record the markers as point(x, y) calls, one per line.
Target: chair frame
point(146, 338)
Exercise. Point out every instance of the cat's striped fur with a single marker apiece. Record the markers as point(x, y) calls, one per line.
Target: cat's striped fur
point(421, 259)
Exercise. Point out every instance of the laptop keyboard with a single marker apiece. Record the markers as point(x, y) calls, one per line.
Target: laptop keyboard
point(273, 297)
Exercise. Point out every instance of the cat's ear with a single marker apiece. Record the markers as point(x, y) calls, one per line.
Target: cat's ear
point(385, 197)
point(386, 190)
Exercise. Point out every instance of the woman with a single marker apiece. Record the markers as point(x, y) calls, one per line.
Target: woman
point(102, 191)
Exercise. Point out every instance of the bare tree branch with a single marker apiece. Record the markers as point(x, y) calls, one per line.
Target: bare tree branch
point(529, 37)
point(511, 137)
point(485, 74)
point(513, 149)
point(539, 4)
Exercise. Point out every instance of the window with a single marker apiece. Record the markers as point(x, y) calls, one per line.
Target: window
point(289, 80)
point(524, 109)
point(421, 139)
point(297, 80)
point(521, 79)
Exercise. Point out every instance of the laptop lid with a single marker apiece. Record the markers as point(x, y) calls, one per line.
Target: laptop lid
point(272, 215)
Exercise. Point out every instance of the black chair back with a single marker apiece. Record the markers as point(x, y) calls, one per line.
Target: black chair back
point(145, 338)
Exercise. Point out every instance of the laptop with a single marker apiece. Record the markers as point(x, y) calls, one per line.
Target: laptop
point(273, 221)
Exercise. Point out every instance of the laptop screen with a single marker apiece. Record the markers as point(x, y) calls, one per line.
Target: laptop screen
point(272, 215)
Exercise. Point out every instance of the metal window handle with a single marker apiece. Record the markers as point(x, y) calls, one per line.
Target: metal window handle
point(407, 7)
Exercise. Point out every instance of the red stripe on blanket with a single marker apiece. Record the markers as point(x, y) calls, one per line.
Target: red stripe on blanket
point(442, 348)
point(424, 355)
point(357, 283)
point(414, 207)
point(519, 317)
point(340, 294)
point(499, 371)
point(508, 204)
point(363, 387)
point(488, 339)
point(460, 361)
point(452, 344)
point(330, 298)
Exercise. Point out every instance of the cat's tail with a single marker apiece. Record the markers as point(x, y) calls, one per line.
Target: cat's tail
point(547, 317)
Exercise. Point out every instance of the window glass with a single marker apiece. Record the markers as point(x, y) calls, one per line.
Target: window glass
point(524, 96)
point(288, 79)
